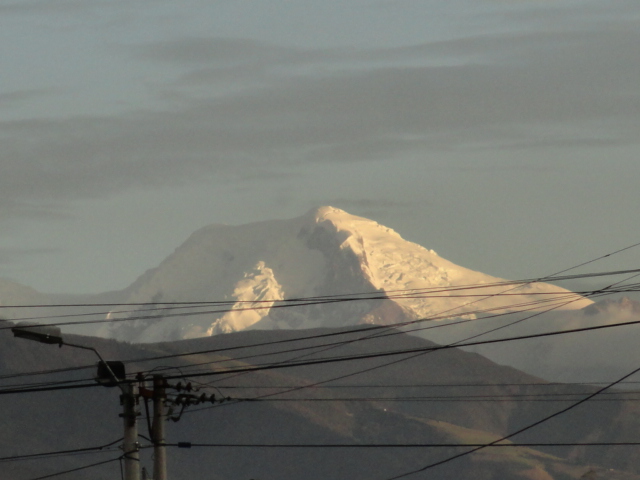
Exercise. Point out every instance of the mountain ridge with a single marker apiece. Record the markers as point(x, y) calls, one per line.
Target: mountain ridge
point(322, 253)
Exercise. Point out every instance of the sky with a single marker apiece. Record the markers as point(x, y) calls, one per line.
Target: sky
point(502, 134)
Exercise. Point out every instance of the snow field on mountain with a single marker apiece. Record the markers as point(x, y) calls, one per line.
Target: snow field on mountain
point(322, 253)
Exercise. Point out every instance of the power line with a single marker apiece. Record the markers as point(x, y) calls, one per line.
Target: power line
point(341, 377)
point(341, 359)
point(314, 347)
point(218, 350)
point(436, 385)
point(346, 342)
point(359, 330)
point(44, 372)
point(546, 397)
point(420, 352)
point(319, 336)
point(458, 343)
point(206, 312)
point(287, 340)
point(620, 250)
point(84, 467)
point(335, 378)
point(401, 352)
point(521, 430)
point(347, 296)
point(186, 445)
point(387, 327)
point(312, 337)
point(11, 391)
point(57, 453)
point(344, 358)
point(393, 327)
point(620, 395)
point(296, 302)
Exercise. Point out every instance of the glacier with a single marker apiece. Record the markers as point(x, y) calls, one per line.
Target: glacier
point(325, 252)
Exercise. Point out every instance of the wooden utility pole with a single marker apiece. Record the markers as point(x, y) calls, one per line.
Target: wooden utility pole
point(130, 443)
point(158, 430)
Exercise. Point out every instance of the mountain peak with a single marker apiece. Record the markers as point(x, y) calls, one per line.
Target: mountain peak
point(325, 210)
point(334, 215)
point(344, 221)
point(324, 253)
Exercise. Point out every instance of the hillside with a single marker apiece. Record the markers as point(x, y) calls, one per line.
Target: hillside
point(445, 397)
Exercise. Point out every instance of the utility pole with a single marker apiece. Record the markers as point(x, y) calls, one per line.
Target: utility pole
point(106, 376)
point(130, 443)
point(158, 430)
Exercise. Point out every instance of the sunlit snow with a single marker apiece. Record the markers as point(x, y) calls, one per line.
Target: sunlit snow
point(325, 252)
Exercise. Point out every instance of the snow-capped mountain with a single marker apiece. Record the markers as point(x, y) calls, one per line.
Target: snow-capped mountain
point(326, 252)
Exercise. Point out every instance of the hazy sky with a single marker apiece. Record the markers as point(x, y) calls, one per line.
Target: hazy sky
point(503, 134)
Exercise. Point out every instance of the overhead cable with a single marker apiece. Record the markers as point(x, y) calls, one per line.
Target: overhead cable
point(520, 430)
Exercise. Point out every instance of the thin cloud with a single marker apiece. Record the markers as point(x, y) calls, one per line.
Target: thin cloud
point(20, 97)
point(11, 208)
point(577, 80)
point(38, 7)
point(197, 50)
point(9, 255)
